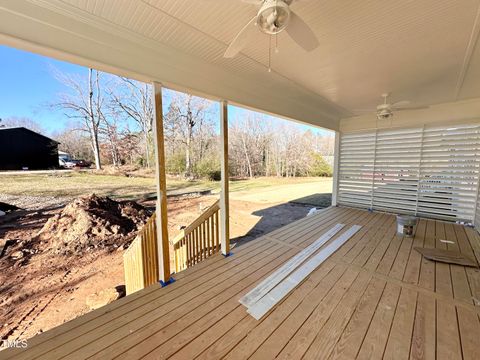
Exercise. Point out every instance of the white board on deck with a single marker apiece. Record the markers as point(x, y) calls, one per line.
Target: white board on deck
point(262, 306)
point(271, 281)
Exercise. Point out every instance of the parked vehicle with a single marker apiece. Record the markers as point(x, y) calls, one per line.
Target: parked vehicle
point(68, 163)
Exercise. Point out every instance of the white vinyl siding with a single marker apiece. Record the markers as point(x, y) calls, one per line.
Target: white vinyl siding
point(428, 171)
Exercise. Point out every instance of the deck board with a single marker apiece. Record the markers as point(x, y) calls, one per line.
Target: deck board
point(423, 344)
point(376, 297)
point(349, 343)
point(373, 346)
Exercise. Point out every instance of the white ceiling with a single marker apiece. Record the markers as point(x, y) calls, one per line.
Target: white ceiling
point(417, 49)
point(425, 51)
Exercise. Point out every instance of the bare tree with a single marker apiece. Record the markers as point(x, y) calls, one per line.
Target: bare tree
point(20, 121)
point(248, 142)
point(261, 146)
point(186, 118)
point(129, 146)
point(83, 102)
point(74, 142)
point(106, 106)
point(134, 99)
point(109, 130)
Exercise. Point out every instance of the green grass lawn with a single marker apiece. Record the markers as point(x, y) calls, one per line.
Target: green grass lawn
point(78, 183)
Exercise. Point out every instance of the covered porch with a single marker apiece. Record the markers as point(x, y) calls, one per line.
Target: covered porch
point(374, 298)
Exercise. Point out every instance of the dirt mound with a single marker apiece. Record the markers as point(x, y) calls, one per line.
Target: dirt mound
point(91, 222)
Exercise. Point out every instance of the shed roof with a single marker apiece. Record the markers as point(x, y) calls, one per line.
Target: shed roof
point(24, 130)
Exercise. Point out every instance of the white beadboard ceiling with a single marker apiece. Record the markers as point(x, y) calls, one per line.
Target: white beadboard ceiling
point(425, 51)
point(415, 49)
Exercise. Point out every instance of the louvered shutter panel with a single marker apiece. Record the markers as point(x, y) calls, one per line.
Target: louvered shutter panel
point(431, 171)
point(397, 159)
point(449, 172)
point(357, 152)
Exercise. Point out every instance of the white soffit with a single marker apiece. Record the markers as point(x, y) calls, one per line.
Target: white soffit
point(425, 51)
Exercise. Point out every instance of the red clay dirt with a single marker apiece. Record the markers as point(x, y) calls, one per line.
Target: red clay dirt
point(92, 222)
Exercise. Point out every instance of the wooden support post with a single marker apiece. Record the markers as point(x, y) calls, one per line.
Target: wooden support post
point(161, 208)
point(336, 164)
point(224, 194)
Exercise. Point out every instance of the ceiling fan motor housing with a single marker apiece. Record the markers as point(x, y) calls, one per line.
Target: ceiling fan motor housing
point(273, 16)
point(384, 113)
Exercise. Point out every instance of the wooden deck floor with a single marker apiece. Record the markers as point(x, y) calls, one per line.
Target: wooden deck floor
point(375, 297)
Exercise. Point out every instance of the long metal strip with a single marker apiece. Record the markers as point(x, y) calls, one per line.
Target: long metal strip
point(270, 282)
point(262, 306)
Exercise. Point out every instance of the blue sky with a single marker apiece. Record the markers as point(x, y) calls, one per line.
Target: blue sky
point(27, 86)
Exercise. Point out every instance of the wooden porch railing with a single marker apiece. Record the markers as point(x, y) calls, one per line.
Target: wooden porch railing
point(199, 240)
point(196, 242)
point(140, 260)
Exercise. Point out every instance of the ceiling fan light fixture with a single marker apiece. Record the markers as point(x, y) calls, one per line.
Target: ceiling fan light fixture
point(384, 113)
point(273, 17)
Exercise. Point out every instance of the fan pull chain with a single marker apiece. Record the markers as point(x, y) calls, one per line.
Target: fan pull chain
point(276, 43)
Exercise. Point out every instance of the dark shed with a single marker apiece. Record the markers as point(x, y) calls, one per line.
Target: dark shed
point(21, 148)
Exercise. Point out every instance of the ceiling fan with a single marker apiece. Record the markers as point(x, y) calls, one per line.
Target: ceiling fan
point(273, 17)
point(385, 111)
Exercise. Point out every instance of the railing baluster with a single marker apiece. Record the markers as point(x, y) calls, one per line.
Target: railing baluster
point(197, 244)
point(195, 240)
point(199, 240)
point(207, 236)
point(145, 250)
point(178, 258)
point(212, 229)
point(192, 241)
point(202, 240)
point(217, 230)
point(182, 247)
point(187, 240)
point(205, 240)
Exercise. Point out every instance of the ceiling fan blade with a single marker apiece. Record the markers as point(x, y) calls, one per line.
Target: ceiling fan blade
point(250, 2)
point(301, 33)
point(363, 110)
point(400, 104)
point(242, 39)
point(412, 108)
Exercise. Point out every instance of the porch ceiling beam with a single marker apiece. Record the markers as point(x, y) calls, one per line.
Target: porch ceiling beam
point(161, 206)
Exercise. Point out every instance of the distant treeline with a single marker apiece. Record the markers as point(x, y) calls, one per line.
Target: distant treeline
point(110, 122)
